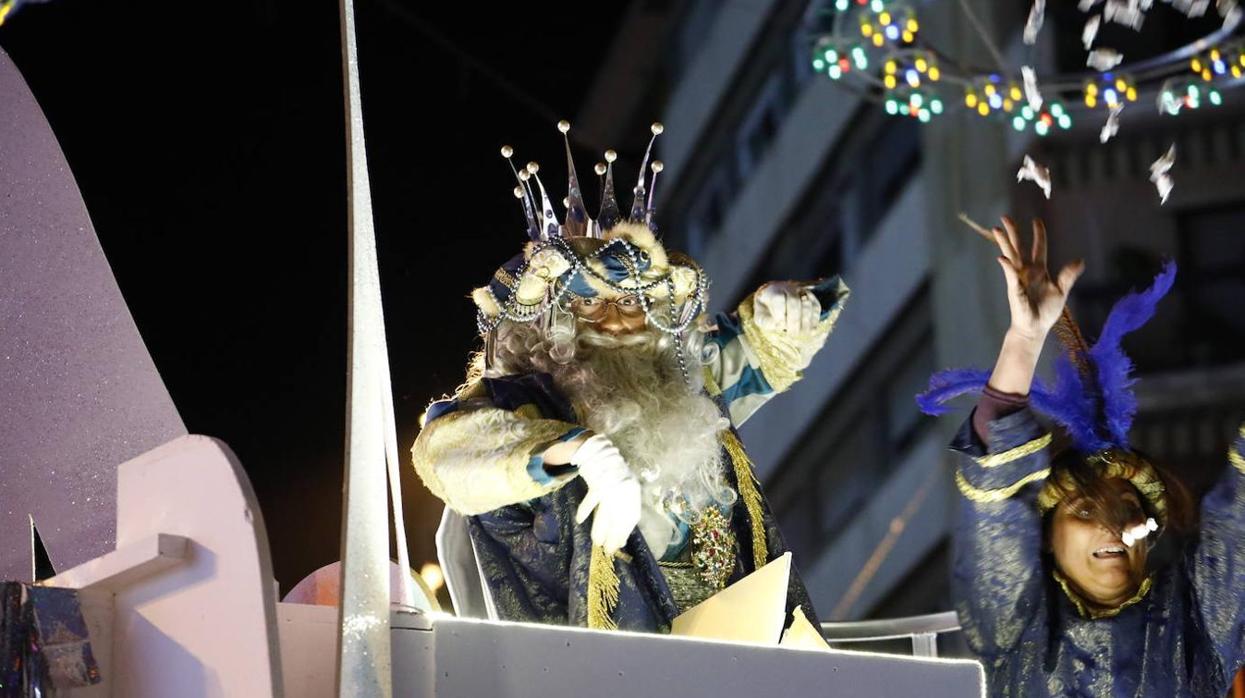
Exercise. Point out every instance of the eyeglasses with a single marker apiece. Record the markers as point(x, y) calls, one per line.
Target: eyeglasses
point(594, 309)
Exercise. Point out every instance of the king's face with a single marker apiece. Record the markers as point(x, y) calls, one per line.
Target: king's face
point(615, 316)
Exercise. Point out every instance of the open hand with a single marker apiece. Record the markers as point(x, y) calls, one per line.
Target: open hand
point(1036, 300)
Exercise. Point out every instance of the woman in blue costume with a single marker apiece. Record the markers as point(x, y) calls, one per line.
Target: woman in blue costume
point(1052, 576)
point(592, 449)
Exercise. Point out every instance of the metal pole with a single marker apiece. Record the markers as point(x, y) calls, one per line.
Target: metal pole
point(363, 652)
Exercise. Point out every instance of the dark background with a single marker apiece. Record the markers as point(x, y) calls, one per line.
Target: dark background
point(208, 143)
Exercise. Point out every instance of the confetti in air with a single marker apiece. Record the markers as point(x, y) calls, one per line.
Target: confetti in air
point(1230, 10)
point(1138, 533)
point(1104, 59)
point(1112, 126)
point(1126, 12)
point(1090, 31)
point(1160, 173)
point(1032, 95)
point(1037, 174)
point(1033, 25)
point(1086, 5)
point(1191, 8)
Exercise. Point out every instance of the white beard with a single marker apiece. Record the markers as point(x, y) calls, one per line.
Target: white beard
point(630, 389)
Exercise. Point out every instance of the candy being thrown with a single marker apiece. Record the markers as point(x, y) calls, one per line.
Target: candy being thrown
point(1090, 31)
point(1033, 25)
point(1036, 173)
point(1104, 59)
point(1112, 126)
point(1032, 94)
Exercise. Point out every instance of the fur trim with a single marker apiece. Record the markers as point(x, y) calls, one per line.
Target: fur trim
point(642, 238)
point(548, 264)
point(531, 289)
point(484, 300)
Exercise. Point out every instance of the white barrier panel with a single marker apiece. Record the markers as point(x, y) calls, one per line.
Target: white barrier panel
point(463, 658)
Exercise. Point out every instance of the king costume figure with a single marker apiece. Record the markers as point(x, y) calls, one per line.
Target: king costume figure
point(592, 448)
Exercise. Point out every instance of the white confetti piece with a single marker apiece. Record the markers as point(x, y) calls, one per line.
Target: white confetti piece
point(1090, 31)
point(1160, 173)
point(1112, 126)
point(1231, 12)
point(1164, 164)
point(1032, 95)
point(1125, 12)
point(1037, 14)
point(1104, 59)
point(1086, 5)
point(1035, 173)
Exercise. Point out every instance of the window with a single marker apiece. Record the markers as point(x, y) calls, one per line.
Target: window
point(862, 435)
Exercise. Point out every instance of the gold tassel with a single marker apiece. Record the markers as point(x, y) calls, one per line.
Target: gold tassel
point(749, 491)
point(602, 590)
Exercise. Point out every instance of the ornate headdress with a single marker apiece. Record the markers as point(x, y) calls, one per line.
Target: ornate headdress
point(1092, 397)
point(583, 257)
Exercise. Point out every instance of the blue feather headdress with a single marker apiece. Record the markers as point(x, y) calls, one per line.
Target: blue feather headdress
point(1092, 394)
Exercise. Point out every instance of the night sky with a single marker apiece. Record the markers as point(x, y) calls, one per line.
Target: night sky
point(208, 143)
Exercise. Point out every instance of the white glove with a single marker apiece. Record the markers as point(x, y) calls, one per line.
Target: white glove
point(613, 491)
point(786, 306)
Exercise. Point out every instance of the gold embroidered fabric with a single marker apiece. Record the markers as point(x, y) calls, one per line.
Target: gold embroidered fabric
point(1114, 464)
point(994, 460)
point(1234, 456)
point(1088, 611)
point(603, 588)
point(782, 356)
point(706, 564)
point(477, 460)
point(750, 493)
point(977, 494)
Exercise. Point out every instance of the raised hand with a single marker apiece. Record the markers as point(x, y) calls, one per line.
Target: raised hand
point(1036, 300)
point(786, 306)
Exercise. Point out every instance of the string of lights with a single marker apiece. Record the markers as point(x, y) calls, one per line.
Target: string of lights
point(875, 49)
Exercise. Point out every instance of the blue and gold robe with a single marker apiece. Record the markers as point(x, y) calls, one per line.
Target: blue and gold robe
point(480, 452)
point(1182, 634)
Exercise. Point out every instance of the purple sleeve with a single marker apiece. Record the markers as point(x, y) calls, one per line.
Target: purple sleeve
point(994, 405)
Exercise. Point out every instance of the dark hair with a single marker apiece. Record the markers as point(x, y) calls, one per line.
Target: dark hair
point(1072, 475)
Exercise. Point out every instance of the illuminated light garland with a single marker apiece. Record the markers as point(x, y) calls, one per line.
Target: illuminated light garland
point(835, 63)
point(898, 24)
point(1109, 90)
point(914, 104)
point(1187, 94)
point(907, 71)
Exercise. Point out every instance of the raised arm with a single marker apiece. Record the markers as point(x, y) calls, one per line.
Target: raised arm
point(997, 570)
point(762, 348)
point(1217, 560)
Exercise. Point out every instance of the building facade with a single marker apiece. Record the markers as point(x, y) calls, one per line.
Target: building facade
point(775, 172)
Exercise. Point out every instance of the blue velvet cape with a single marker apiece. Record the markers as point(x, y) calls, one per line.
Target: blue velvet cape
point(1185, 637)
point(535, 558)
